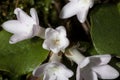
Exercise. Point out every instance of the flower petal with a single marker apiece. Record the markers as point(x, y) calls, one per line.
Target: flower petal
point(39, 70)
point(69, 10)
point(23, 17)
point(78, 76)
point(84, 63)
point(49, 76)
point(82, 15)
point(50, 33)
point(18, 37)
point(14, 26)
point(67, 72)
point(46, 45)
point(106, 72)
point(54, 49)
point(101, 59)
point(91, 3)
point(64, 43)
point(61, 30)
point(89, 75)
point(62, 78)
point(34, 15)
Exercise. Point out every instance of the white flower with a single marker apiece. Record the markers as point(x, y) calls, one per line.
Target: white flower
point(77, 7)
point(96, 66)
point(55, 39)
point(24, 27)
point(89, 68)
point(53, 71)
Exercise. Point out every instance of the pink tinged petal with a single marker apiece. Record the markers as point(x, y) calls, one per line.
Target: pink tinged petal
point(34, 15)
point(89, 75)
point(39, 70)
point(106, 72)
point(102, 59)
point(70, 9)
point(14, 26)
point(23, 17)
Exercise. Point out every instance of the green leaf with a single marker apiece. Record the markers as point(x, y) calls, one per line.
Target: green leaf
point(118, 64)
point(92, 51)
point(105, 31)
point(22, 57)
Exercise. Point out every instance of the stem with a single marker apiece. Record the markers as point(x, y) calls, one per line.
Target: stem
point(17, 2)
point(88, 24)
point(74, 55)
point(55, 57)
point(57, 6)
point(85, 27)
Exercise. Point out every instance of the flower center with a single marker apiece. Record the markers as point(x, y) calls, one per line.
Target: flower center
point(56, 42)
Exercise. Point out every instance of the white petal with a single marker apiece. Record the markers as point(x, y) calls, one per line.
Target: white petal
point(46, 45)
point(39, 70)
point(36, 30)
point(101, 59)
point(78, 76)
point(61, 77)
point(106, 72)
point(84, 63)
point(67, 72)
point(18, 37)
point(50, 33)
point(63, 70)
point(64, 42)
point(89, 75)
point(23, 17)
point(91, 3)
point(61, 30)
point(82, 15)
point(48, 77)
point(54, 50)
point(14, 26)
point(69, 10)
point(34, 15)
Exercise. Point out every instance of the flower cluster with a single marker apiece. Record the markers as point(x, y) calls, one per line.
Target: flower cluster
point(56, 41)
